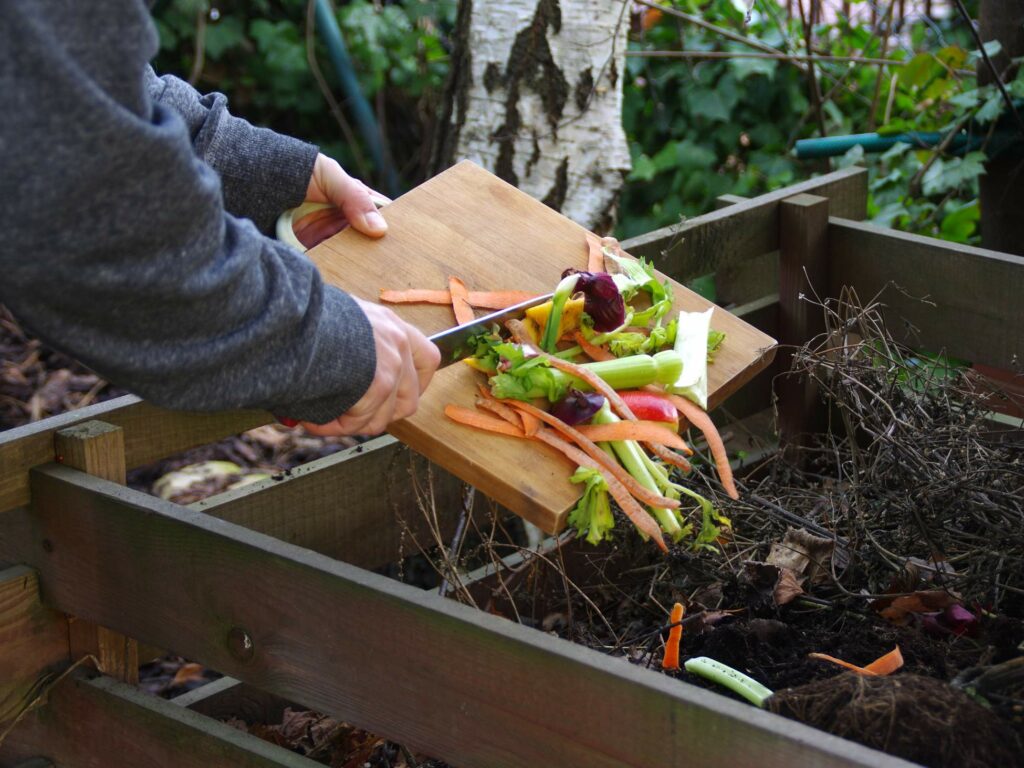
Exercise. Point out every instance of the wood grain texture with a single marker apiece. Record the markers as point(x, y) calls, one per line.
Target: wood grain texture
point(367, 505)
point(151, 433)
point(944, 296)
point(102, 723)
point(33, 640)
point(469, 223)
point(451, 681)
point(743, 230)
point(97, 448)
point(803, 275)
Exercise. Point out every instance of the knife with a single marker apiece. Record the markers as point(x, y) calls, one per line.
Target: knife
point(452, 341)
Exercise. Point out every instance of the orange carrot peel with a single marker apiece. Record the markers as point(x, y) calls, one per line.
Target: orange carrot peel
point(479, 299)
point(675, 636)
point(884, 665)
point(699, 418)
point(460, 301)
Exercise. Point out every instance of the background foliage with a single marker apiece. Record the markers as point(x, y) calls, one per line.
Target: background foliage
point(697, 128)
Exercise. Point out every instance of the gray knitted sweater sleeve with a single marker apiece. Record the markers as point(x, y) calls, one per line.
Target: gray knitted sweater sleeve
point(261, 172)
point(124, 243)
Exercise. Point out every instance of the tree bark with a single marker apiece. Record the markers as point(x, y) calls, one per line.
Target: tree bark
point(535, 95)
point(1002, 186)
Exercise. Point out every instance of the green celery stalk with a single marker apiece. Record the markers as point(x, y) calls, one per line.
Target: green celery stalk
point(730, 678)
point(561, 295)
point(538, 380)
point(632, 457)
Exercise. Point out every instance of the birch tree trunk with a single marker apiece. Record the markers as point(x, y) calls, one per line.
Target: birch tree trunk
point(535, 96)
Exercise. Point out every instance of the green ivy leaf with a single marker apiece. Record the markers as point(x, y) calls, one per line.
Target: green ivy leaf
point(227, 33)
point(960, 224)
point(707, 103)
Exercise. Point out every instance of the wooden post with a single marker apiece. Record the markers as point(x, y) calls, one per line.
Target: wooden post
point(1002, 185)
point(97, 448)
point(803, 272)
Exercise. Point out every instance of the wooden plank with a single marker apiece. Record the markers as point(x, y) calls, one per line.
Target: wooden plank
point(803, 275)
point(470, 223)
point(366, 505)
point(97, 448)
point(33, 640)
point(103, 722)
point(973, 306)
point(227, 697)
point(440, 677)
point(756, 394)
point(743, 230)
point(150, 434)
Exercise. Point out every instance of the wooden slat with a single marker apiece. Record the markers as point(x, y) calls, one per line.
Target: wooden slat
point(756, 394)
point(438, 676)
point(33, 640)
point(227, 697)
point(974, 308)
point(150, 434)
point(744, 230)
point(803, 275)
point(106, 723)
point(360, 505)
point(97, 448)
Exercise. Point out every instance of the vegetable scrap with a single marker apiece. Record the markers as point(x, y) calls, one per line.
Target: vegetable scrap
point(492, 300)
point(675, 636)
point(460, 301)
point(884, 665)
point(602, 373)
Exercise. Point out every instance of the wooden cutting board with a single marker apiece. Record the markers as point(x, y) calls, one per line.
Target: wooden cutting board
point(469, 223)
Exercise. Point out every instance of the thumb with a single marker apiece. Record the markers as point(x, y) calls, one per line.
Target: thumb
point(353, 198)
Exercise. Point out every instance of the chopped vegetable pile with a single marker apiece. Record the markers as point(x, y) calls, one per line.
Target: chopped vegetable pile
point(603, 373)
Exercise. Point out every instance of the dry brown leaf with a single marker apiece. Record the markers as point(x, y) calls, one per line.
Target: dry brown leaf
point(898, 609)
point(803, 553)
point(787, 588)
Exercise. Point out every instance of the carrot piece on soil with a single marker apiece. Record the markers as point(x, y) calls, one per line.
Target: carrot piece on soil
point(472, 418)
point(641, 431)
point(887, 664)
point(591, 449)
point(460, 301)
point(700, 419)
point(884, 665)
point(675, 635)
point(637, 514)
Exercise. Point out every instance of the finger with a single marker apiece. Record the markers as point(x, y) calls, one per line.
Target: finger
point(426, 357)
point(353, 197)
point(330, 429)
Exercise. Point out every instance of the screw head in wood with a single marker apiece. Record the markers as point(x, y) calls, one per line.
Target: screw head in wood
point(241, 645)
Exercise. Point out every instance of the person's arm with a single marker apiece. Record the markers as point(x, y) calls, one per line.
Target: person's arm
point(118, 250)
point(262, 172)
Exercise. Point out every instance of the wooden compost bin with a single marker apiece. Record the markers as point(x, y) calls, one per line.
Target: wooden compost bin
point(268, 583)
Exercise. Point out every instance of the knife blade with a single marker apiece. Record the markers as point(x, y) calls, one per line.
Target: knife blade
point(452, 341)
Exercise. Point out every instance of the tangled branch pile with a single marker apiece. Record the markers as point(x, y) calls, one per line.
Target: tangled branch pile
point(923, 483)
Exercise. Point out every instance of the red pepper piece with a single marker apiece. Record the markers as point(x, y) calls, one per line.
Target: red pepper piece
point(651, 406)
